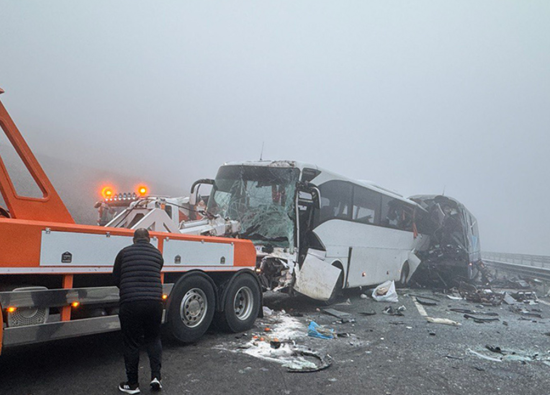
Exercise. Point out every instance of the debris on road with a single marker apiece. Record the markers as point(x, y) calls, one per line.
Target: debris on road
point(484, 356)
point(316, 330)
point(444, 321)
point(516, 356)
point(479, 320)
point(496, 349)
point(423, 300)
point(395, 312)
point(385, 292)
point(525, 297)
point(485, 297)
point(279, 345)
point(524, 312)
point(305, 364)
point(509, 299)
point(372, 312)
point(338, 314)
point(466, 311)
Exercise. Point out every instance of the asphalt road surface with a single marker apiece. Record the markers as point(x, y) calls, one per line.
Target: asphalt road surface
point(374, 354)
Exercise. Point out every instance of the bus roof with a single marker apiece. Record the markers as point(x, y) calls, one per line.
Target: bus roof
point(325, 175)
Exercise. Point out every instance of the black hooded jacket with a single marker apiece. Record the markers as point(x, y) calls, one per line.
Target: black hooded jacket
point(137, 272)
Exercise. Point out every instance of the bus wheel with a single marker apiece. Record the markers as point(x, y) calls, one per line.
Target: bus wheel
point(191, 309)
point(241, 305)
point(404, 274)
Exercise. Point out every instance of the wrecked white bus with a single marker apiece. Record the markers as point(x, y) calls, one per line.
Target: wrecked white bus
point(454, 252)
point(317, 232)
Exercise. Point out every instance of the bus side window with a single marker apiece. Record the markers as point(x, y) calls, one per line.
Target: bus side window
point(335, 201)
point(391, 212)
point(366, 206)
point(406, 218)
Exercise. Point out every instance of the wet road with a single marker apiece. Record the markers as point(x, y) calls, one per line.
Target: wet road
point(383, 354)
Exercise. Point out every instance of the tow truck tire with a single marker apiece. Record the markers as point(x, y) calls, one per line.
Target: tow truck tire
point(241, 305)
point(191, 309)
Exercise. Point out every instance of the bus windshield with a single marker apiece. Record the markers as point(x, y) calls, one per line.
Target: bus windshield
point(261, 198)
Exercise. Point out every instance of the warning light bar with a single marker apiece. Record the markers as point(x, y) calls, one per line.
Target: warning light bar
point(123, 199)
point(142, 190)
point(107, 192)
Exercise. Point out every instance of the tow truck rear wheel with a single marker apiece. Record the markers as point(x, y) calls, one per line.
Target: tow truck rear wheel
point(241, 305)
point(191, 309)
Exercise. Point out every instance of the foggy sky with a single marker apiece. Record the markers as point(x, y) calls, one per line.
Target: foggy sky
point(420, 97)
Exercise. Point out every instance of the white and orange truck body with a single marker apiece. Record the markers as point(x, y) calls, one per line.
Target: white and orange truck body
point(55, 275)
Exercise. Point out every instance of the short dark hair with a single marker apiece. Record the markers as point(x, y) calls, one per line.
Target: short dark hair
point(141, 234)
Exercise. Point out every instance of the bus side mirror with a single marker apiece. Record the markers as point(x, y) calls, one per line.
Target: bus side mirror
point(197, 184)
point(308, 195)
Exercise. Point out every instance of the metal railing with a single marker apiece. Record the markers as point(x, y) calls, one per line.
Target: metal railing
point(536, 266)
point(540, 261)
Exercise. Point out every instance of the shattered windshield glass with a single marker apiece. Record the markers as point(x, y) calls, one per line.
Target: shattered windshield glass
point(261, 198)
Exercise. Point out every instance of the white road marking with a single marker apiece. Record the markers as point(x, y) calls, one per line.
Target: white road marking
point(424, 314)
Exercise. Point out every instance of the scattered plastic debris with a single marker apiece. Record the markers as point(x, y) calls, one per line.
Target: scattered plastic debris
point(466, 311)
point(485, 297)
point(307, 366)
point(496, 349)
point(338, 314)
point(423, 300)
point(395, 312)
point(515, 356)
point(525, 296)
point(385, 292)
point(524, 312)
point(316, 330)
point(508, 299)
point(479, 320)
point(372, 312)
point(444, 321)
point(484, 356)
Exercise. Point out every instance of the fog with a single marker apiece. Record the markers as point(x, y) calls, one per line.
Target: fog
point(420, 97)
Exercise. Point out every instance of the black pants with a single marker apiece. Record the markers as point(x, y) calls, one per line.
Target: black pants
point(141, 319)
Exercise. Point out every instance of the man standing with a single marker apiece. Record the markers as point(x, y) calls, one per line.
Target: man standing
point(137, 274)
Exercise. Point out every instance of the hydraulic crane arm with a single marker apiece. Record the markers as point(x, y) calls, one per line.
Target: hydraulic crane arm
point(50, 207)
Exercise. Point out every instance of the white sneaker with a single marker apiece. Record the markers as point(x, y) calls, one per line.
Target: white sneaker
point(128, 389)
point(156, 385)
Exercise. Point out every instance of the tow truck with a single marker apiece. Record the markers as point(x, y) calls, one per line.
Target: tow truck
point(55, 275)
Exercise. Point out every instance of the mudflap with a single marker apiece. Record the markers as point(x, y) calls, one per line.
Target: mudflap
point(316, 278)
